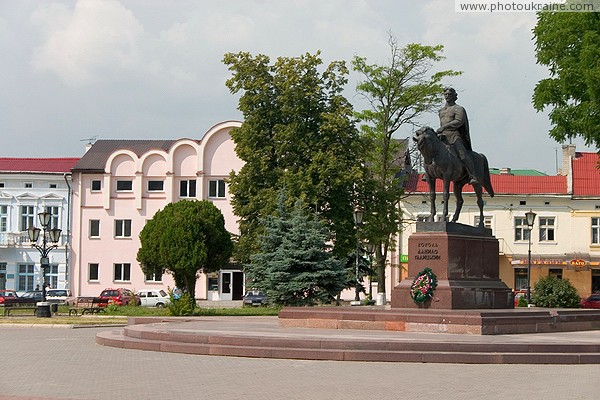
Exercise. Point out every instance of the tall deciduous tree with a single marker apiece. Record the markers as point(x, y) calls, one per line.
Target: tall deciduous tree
point(298, 136)
point(184, 239)
point(568, 43)
point(295, 265)
point(398, 93)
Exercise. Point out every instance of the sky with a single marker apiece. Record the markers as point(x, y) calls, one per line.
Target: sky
point(79, 70)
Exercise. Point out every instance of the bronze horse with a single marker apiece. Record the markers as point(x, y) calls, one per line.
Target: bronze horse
point(442, 162)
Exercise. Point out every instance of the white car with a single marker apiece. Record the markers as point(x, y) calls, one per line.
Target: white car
point(153, 297)
point(60, 296)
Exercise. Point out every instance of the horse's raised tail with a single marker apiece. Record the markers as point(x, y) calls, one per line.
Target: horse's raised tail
point(487, 183)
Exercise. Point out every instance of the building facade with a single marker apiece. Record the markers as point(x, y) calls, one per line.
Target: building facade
point(565, 239)
point(118, 185)
point(29, 186)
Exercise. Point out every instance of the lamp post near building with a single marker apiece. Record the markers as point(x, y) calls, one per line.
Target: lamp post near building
point(50, 238)
point(358, 217)
point(530, 217)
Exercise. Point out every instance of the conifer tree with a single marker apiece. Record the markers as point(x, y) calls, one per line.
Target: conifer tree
point(295, 265)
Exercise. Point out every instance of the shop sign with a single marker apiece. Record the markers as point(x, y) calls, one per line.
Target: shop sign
point(578, 264)
point(540, 261)
point(403, 258)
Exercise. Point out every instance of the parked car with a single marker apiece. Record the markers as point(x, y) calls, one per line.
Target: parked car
point(254, 298)
point(591, 302)
point(30, 297)
point(518, 295)
point(119, 296)
point(8, 297)
point(59, 296)
point(153, 297)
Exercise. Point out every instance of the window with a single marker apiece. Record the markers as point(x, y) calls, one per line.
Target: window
point(216, 188)
point(2, 184)
point(155, 276)
point(522, 231)
point(52, 275)
point(122, 228)
point(25, 277)
point(94, 228)
point(53, 224)
point(520, 278)
point(3, 218)
point(124, 186)
point(213, 283)
point(93, 271)
point(187, 188)
point(487, 221)
point(546, 229)
point(595, 230)
point(96, 186)
point(28, 185)
point(122, 272)
point(556, 272)
point(53, 186)
point(27, 217)
point(156, 186)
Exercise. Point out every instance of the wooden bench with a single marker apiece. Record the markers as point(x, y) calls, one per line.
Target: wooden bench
point(8, 309)
point(90, 305)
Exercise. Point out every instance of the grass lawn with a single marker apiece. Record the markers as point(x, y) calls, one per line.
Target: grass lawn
point(117, 315)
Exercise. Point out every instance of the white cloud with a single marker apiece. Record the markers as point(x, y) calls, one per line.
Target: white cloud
point(91, 40)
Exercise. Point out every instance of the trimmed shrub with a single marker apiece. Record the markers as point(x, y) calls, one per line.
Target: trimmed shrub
point(550, 291)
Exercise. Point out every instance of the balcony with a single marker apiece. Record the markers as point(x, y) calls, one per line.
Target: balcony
point(19, 239)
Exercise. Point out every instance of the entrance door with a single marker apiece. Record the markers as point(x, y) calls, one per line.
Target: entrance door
point(225, 285)
point(238, 286)
point(595, 280)
point(232, 285)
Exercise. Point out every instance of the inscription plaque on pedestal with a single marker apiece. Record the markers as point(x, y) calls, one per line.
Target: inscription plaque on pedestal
point(465, 262)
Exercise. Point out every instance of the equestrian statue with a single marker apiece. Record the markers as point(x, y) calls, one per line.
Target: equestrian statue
point(448, 155)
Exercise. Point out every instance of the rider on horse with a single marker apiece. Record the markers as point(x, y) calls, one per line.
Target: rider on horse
point(454, 128)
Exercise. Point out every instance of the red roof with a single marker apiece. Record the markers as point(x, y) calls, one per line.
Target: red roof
point(509, 184)
point(585, 172)
point(586, 175)
point(44, 165)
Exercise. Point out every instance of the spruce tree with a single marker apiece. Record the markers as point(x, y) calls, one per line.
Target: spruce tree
point(295, 265)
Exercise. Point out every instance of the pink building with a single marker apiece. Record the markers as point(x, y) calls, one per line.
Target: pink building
point(118, 185)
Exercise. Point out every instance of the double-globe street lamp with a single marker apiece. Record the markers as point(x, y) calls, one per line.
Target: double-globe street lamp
point(50, 238)
point(530, 219)
point(358, 218)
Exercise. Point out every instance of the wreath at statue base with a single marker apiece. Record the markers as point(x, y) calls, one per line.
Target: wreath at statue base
point(423, 286)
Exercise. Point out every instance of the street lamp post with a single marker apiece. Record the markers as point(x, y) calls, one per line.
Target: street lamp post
point(370, 249)
point(358, 217)
point(530, 217)
point(50, 238)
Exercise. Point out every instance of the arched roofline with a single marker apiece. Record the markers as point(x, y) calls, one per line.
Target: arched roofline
point(120, 152)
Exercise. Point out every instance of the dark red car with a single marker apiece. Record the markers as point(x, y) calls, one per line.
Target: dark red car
point(8, 297)
point(119, 296)
point(591, 302)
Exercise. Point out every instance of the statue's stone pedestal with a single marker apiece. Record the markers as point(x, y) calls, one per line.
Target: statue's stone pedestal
point(465, 262)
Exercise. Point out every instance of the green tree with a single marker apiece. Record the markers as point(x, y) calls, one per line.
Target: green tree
point(184, 239)
point(568, 43)
point(298, 136)
point(398, 93)
point(295, 265)
point(550, 291)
